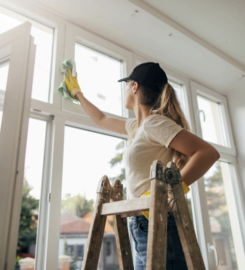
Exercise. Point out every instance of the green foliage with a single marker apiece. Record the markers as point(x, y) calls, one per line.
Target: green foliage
point(217, 206)
point(77, 205)
point(27, 227)
point(121, 145)
point(118, 159)
point(216, 179)
point(17, 260)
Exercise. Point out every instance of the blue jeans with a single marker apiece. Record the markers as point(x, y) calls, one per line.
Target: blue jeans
point(139, 231)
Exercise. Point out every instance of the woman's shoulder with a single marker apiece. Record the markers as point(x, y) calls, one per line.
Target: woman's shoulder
point(161, 129)
point(130, 123)
point(153, 118)
point(157, 122)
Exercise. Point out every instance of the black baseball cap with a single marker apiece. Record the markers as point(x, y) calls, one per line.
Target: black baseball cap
point(148, 74)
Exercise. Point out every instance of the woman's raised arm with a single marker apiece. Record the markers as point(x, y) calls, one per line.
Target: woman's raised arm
point(114, 124)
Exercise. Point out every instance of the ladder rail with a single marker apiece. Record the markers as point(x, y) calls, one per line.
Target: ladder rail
point(121, 231)
point(97, 227)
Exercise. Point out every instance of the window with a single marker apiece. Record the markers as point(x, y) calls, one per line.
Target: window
point(179, 93)
point(31, 191)
point(75, 250)
point(223, 215)
point(87, 157)
point(43, 38)
point(212, 118)
point(211, 121)
point(218, 203)
point(98, 76)
point(108, 248)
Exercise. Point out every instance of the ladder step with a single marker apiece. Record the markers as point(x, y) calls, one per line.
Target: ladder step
point(132, 214)
point(125, 206)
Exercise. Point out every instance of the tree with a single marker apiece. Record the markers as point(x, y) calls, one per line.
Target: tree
point(27, 227)
point(77, 205)
point(217, 206)
point(118, 159)
point(216, 200)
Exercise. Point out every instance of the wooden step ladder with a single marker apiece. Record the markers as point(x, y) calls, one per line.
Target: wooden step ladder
point(110, 202)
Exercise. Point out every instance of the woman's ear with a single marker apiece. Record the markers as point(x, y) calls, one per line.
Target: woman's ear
point(135, 86)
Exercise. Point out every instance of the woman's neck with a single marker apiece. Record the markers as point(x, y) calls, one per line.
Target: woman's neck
point(141, 113)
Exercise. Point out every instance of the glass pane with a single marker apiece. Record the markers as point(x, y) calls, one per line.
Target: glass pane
point(43, 38)
point(85, 161)
point(97, 76)
point(223, 217)
point(4, 69)
point(179, 94)
point(31, 193)
point(211, 121)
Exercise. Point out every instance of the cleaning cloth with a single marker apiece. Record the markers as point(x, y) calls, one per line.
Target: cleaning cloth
point(62, 88)
point(148, 193)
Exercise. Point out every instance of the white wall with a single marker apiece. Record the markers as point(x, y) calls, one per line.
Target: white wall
point(236, 103)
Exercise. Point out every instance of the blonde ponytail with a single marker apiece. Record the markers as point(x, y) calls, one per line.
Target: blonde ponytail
point(165, 103)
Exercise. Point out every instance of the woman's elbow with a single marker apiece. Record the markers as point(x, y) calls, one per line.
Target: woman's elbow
point(214, 154)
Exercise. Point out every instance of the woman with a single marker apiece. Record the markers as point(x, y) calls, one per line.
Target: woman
point(159, 131)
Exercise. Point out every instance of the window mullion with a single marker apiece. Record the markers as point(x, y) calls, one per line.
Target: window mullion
point(55, 190)
point(41, 241)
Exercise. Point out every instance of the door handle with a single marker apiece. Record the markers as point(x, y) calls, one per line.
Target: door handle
point(212, 247)
point(203, 114)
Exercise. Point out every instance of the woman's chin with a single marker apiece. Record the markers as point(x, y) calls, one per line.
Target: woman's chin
point(128, 107)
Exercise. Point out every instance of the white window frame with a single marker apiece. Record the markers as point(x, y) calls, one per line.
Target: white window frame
point(204, 234)
point(227, 154)
point(32, 19)
point(75, 35)
point(198, 89)
point(45, 195)
point(17, 45)
point(44, 247)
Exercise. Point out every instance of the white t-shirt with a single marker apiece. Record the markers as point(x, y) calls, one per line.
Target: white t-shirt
point(150, 143)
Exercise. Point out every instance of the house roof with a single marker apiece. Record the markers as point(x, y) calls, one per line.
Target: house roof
point(70, 223)
point(108, 225)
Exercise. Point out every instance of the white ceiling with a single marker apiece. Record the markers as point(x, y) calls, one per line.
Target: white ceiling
point(207, 42)
point(220, 22)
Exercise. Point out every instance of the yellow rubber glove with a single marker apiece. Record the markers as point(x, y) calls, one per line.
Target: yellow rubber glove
point(72, 84)
point(146, 213)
